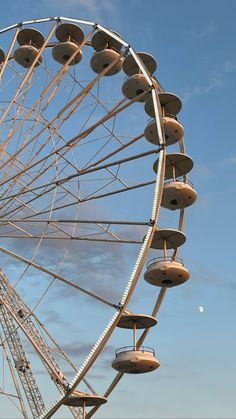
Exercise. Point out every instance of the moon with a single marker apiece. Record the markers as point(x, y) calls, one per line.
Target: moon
point(201, 309)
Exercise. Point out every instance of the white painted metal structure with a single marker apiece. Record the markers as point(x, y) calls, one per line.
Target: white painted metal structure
point(46, 120)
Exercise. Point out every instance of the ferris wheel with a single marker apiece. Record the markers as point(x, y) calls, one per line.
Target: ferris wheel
point(85, 125)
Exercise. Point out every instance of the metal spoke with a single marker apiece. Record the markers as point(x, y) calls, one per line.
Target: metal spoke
point(51, 185)
point(57, 276)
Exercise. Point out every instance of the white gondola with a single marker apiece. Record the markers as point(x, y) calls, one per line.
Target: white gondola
point(178, 195)
point(103, 59)
point(135, 86)
point(131, 67)
point(134, 359)
point(172, 128)
point(30, 41)
point(166, 272)
point(70, 37)
point(63, 51)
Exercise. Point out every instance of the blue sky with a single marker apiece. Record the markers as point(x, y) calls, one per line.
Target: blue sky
point(194, 44)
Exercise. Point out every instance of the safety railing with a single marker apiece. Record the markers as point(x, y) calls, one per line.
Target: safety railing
point(163, 259)
point(126, 349)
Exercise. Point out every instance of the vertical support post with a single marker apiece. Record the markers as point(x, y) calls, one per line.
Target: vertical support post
point(173, 171)
point(164, 248)
point(84, 405)
point(134, 335)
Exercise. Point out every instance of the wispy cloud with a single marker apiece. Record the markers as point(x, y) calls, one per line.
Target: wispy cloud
point(202, 174)
point(78, 349)
point(229, 66)
point(92, 9)
point(101, 11)
point(204, 32)
point(51, 316)
point(216, 80)
point(230, 162)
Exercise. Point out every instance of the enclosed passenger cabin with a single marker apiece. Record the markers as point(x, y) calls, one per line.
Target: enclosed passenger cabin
point(70, 37)
point(172, 128)
point(107, 52)
point(178, 194)
point(166, 271)
point(135, 359)
point(170, 107)
point(30, 41)
point(137, 84)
